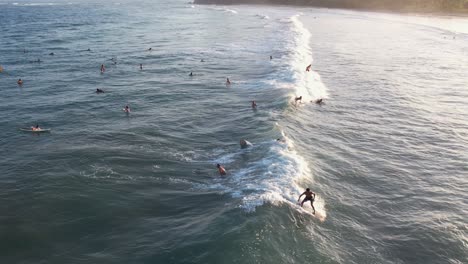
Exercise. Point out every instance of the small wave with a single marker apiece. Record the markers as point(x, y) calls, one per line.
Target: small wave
point(230, 11)
point(306, 84)
point(275, 178)
point(262, 16)
point(224, 10)
point(38, 4)
point(100, 172)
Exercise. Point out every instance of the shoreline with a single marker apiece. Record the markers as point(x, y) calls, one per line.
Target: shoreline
point(404, 11)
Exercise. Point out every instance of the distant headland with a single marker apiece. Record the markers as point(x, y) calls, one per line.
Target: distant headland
point(418, 6)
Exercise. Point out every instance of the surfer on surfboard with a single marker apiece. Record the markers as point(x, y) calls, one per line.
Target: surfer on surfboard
point(308, 67)
point(298, 99)
point(309, 196)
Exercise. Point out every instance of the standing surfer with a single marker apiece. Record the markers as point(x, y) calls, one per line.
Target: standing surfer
point(309, 196)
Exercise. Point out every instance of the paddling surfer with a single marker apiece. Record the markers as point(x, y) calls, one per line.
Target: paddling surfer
point(221, 169)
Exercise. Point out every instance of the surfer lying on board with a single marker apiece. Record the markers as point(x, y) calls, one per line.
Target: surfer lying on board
point(309, 196)
point(221, 170)
point(35, 128)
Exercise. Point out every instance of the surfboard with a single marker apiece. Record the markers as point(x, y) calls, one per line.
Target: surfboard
point(35, 131)
point(320, 214)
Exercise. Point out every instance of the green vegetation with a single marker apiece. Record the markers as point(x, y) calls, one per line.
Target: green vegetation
point(450, 6)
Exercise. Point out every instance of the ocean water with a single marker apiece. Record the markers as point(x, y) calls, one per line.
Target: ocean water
point(387, 152)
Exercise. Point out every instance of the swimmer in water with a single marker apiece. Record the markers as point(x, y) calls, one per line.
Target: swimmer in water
point(228, 81)
point(191, 74)
point(141, 66)
point(271, 57)
point(309, 196)
point(254, 105)
point(244, 143)
point(126, 109)
point(88, 49)
point(150, 49)
point(99, 90)
point(319, 101)
point(19, 82)
point(51, 54)
point(308, 67)
point(221, 170)
point(281, 140)
point(103, 68)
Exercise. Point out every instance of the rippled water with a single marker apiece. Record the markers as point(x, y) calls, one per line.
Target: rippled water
point(386, 152)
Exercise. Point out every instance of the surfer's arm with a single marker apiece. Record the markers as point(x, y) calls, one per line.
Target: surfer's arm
point(298, 199)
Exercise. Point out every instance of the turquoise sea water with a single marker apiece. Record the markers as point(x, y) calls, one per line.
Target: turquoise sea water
point(386, 153)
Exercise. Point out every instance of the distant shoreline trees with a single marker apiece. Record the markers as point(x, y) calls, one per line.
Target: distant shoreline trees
point(448, 6)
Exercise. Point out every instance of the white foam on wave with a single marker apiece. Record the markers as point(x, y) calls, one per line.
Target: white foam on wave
point(39, 4)
point(277, 178)
point(262, 16)
point(230, 11)
point(306, 84)
point(223, 9)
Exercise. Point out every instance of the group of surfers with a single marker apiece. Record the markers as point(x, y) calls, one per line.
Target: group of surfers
point(309, 196)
